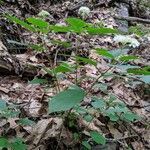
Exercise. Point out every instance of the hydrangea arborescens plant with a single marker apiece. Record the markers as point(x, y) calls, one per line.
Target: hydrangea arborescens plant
point(84, 12)
point(126, 39)
point(43, 14)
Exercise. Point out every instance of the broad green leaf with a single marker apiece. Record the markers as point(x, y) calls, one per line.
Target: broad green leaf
point(104, 53)
point(59, 29)
point(18, 144)
point(66, 100)
point(88, 118)
point(102, 86)
point(87, 145)
point(64, 67)
point(129, 116)
point(38, 81)
point(75, 22)
point(2, 104)
point(38, 22)
point(118, 52)
point(128, 58)
point(139, 71)
point(26, 122)
point(145, 78)
point(113, 117)
point(76, 29)
point(101, 31)
point(86, 60)
point(98, 138)
point(37, 47)
point(4, 143)
point(98, 103)
point(20, 22)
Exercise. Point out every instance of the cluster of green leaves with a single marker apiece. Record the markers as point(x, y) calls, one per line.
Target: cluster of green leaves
point(71, 98)
point(8, 111)
point(95, 137)
point(11, 111)
point(114, 109)
point(38, 25)
point(14, 144)
point(74, 25)
point(120, 59)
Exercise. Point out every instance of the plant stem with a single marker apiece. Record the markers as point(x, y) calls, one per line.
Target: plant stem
point(102, 74)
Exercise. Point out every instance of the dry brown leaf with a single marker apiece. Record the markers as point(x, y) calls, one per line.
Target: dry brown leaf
point(39, 130)
point(115, 132)
point(138, 145)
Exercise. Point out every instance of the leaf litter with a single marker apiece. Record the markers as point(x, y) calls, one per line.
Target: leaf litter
point(33, 99)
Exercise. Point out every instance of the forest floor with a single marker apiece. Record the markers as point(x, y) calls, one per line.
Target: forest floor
point(28, 93)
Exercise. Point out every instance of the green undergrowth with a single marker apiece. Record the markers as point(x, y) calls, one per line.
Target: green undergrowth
point(67, 103)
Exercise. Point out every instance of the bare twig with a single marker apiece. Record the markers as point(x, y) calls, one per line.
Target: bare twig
point(122, 138)
point(136, 19)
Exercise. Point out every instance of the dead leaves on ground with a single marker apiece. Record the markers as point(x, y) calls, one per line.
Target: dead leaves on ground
point(50, 131)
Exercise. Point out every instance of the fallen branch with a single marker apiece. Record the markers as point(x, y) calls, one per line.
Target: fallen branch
point(136, 19)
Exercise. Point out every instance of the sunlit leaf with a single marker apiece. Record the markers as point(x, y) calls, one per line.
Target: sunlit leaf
point(145, 78)
point(66, 100)
point(104, 53)
point(129, 116)
point(63, 67)
point(20, 22)
point(75, 22)
point(61, 43)
point(101, 31)
point(127, 58)
point(59, 29)
point(139, 71)
point(38, 22)
point(98, 103)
